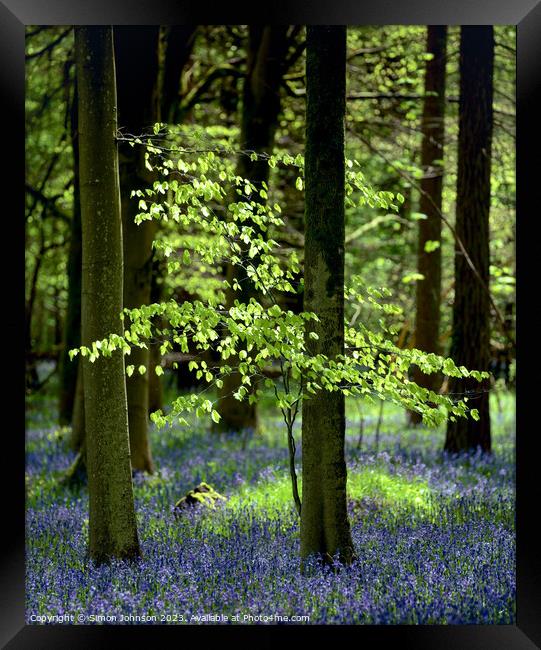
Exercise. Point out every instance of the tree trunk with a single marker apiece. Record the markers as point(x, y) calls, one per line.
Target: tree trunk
point(179, 41)
point(176, 44)
point(78, 417)
point(325, 527)
point(155, 387)
point(112, 523)
point(137, 272)
point(72, 325)
point(32, 378)
point(260, 109)
point(136, 56)
point(428, 296)
point(471, 310)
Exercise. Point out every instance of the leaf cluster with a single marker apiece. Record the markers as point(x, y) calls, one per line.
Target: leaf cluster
point(202, 193)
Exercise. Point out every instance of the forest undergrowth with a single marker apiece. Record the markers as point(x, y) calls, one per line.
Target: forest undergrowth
point(434, 534)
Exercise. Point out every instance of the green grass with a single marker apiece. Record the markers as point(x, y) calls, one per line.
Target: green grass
point(274, 494)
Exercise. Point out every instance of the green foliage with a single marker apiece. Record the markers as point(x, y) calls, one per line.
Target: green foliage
point(203, 196)
point(383, 135)
point(48, 180)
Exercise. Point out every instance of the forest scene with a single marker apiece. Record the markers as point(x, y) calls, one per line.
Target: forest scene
point(270, 324)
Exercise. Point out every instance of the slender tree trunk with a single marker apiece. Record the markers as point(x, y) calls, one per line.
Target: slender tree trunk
point(112, 523)
point(260, 109)
point(78, 417)
point(136, 56)
point(175, 47)
point(155, 387)
point(471, 310)
point(72, 325)
point(58, 329)
point(324, 521)
point(179, 40)
point(137, 271)
point(428, 297)
point(32, 379)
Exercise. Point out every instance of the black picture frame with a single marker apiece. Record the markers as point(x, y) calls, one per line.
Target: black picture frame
point(526, 14)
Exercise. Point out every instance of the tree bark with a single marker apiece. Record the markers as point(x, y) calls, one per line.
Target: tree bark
point(136, 57)
point(267, 49)
point(176, 45)
point(428, 294)
point(72, 325)
point(179, 44)
point(155, 386)
point(112, 523)
point(137, 273)
point(325, 529)
point(78, 417)
point(31, 375)
point(470, 344)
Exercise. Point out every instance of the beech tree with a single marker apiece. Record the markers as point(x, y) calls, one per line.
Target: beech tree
point(142, 99)
point(72, 322)
point(324, 521)
point(178, 42)
point(428, 290)
point(136, 59)
point(112, 524)
point(319, 359)
point(470, 344)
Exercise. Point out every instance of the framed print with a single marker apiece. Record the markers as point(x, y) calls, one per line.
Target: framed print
point(520, 629)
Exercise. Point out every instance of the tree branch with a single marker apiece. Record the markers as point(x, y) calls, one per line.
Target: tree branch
point(366, 50)
point(50, 202)
point(50, 46)
point(504, 329)
point(295, 54)
point(216, 72)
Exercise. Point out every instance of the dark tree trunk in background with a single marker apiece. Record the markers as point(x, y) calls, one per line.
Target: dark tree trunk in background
point(176, 44)
point(147, 92)
point(179, 40)
point(78, 418)
point(471, 310)
point(112, 523)
point(267, 49)
point(155, 386)
point(325, 526)
point(428, 297)
point(136, 57)
point(72, 325)
point(32, 378)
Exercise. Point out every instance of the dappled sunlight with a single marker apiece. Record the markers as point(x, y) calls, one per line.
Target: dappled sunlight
point(419, 525)
point(286, 252)
point(388, 490)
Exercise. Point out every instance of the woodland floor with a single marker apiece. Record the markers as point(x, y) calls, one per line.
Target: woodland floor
point(434, 535)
